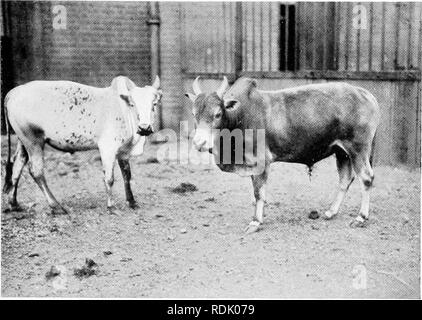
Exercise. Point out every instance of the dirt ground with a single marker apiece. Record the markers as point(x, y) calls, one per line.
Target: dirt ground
point(192, 245)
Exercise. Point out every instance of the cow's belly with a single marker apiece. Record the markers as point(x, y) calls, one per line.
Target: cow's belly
point(72, 143)
point(306, 151)
point(72, 132)
point(308, 158)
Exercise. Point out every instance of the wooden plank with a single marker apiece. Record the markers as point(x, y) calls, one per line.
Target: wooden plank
point(324, 37)
point(183, 43)
point(336, 35)
point(238, 40)
point(397, 34)
point(246, 42)
point(270, 35)
point(383, 38)
point(358, 48)
point(418, 125)
point(420, 39)
point(5, 15)
point(245, 38)
point(231, 44)
point(410, 101)
point(399, 125)
point(348, 23)
point(218, 41)
point(211, 55)
point(371, 31)
point(286, 37)
point(413, 75)
point(297, 37)
point(261, 37)
point(314, 52)
point(225, 37)
point(404, 123)
point(210, 75)
point(253, 36)
point(409, 35)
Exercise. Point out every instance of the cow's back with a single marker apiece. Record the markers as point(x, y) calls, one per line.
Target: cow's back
point(62, 110)
point(303, 122)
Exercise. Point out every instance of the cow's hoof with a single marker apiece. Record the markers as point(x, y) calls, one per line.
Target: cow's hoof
point(253, 226)
point(14, 208)
point(328, 215)
point(113, 211)
point(58, 210)
point(133, 205)
point(359, 222)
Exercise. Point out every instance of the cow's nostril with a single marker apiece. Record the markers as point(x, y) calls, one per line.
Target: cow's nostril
point(145, 130)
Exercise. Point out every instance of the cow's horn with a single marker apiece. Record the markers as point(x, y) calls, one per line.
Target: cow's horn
point(156, 83)
point(223, 87)
point(195, 86)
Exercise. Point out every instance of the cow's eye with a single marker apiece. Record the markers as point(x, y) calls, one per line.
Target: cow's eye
point(218, 115)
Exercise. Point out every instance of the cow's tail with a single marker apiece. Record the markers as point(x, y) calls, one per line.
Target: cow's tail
point(371, 156)
point(8, 184)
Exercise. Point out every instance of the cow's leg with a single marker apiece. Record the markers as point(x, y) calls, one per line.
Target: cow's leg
point(36, 169)
point(364, 171)
point(253, 200)
point(108, 159)
point(20, 159)
point(345, 172)
point(125, 168)
point(259, 183)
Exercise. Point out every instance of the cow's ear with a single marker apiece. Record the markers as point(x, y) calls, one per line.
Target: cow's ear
point(156, 83)
point(127, 99)
point(191, 96)
point(252, 85)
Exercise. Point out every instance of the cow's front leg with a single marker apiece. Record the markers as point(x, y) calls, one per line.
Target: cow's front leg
point(125, 168)
point(259, 183)
point(108, 160)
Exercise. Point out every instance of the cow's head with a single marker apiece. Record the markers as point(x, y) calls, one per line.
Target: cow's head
point(209, 114)
point(144, 99)
point(241, 96)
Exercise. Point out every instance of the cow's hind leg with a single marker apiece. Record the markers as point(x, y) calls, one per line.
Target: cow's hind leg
point(363, 169)
point(36, 169)
point(345, 172)
point(259, 183)
point(20, 159)
point(126, 173)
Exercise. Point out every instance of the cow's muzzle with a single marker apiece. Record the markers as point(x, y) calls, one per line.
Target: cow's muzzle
point(145, 129)
point(202, 148)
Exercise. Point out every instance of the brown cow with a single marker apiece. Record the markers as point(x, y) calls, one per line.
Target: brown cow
point(302, 125)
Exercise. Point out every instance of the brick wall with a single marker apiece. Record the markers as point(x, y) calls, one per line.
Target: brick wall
point(101, 40)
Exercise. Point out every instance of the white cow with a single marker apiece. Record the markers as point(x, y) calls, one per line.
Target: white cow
point(71, 117)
